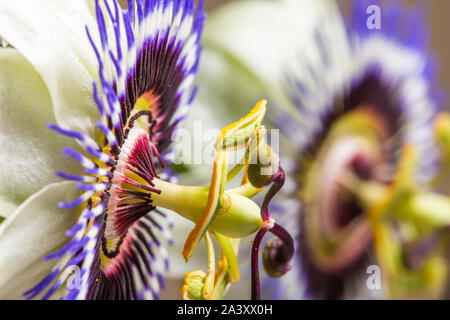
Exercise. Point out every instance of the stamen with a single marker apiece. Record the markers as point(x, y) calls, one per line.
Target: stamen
point(253, 118)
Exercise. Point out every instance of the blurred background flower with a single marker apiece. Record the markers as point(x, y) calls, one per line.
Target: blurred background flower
point(362, 99)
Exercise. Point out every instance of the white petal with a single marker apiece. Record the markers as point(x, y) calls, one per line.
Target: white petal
point(51, 35)
point(35, 229)
point(30, 151)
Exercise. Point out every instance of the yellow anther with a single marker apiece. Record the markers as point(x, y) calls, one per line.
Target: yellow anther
point(220, 168)
point(254, 117)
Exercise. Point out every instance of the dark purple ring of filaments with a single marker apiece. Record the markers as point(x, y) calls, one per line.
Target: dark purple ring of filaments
point(283, 252)
point(160, 69)
point(147, 171)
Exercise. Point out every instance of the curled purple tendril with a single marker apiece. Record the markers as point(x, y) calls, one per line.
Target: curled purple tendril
point(282, 248)
point(277, 255)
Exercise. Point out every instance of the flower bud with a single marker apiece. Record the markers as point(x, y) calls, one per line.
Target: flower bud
point(276, 257)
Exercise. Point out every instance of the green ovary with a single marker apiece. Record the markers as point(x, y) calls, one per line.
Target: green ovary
point(241, 219)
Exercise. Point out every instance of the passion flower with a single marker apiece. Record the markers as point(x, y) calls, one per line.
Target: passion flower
point(147, 57)
point(360, 101)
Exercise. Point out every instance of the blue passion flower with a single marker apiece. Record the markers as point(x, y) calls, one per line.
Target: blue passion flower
point(147, 56)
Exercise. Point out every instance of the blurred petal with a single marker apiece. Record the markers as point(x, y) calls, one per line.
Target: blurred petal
point(35, 229)
point(51, 35)
point(30, 152)
point(35, 272)
point(264, 37)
